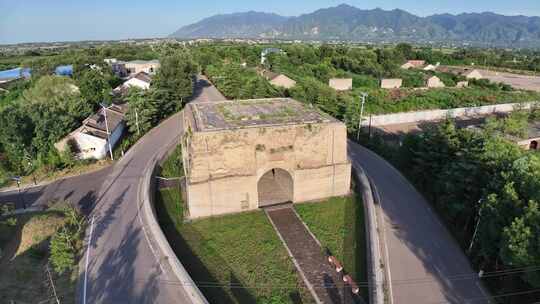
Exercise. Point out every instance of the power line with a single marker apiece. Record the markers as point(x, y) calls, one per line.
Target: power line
point(496, 296)
point(209, 284)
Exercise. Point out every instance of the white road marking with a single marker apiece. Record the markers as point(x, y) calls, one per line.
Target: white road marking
point(87, 259)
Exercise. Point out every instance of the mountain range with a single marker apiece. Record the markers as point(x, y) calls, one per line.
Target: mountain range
point(348, 23)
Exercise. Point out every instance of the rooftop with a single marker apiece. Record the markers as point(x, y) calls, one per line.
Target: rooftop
point(225, 115)
point(95, 124)
point(143, 77)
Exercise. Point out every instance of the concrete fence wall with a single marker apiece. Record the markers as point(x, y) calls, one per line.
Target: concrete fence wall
point(430, 115)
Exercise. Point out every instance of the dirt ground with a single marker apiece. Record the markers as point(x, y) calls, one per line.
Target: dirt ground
point(517, 81)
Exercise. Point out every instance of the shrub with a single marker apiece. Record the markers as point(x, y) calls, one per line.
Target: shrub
point(66, 242)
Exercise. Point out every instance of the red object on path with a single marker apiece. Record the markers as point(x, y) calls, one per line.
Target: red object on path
point(332, 260)
point(354, 288)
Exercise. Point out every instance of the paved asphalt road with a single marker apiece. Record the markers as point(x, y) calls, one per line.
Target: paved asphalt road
point(123, 266)
point(79, 190)
point(424, 259)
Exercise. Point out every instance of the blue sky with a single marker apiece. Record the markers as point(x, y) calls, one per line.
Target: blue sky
point(64, 20)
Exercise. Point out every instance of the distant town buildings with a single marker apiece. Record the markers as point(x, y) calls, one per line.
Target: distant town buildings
point(340, 84)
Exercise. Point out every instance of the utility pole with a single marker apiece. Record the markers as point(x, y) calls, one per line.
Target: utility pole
point(137, 122)
point(364, 96)
point(21, 198)
point(107, 129)
point(30, 165)
point(477, 224)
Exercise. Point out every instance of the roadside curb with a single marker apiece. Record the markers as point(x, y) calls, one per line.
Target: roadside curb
point(375, 261)
point(146, 189)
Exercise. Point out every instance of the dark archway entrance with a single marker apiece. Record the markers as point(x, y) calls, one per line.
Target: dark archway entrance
point(533, 145)
point(274, 187)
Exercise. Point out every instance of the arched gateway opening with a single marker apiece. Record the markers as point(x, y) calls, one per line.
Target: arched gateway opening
point(533, 145)
point(274, 187)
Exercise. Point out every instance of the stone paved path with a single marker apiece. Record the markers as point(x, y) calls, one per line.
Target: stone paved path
point(309, 258)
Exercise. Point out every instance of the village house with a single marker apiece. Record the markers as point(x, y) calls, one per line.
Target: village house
point(434, 82)
point(462, 84)
point(340, 84)
point(140, 80)
point(431, 67)
point(91, 140)
point(278, 80)
point(126, 68)
point(246, 154)
point(136, 66)
point(391, 83)
point(462, 71)
point(413, 64)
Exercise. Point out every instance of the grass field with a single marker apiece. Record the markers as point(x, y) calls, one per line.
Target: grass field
point(23, 276)
point(338, 224)
point(234, 258)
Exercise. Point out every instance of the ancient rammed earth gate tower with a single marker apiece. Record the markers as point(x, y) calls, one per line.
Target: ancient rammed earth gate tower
point(245, 154)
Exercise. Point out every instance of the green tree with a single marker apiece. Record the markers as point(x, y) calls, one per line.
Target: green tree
point(141, 102)
point(405, 50)
point(94, 87)
point(173, 82)
point(55, 106)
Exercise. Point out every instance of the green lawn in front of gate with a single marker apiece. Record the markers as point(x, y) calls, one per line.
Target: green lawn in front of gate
point(338, 223)
point(234, 258)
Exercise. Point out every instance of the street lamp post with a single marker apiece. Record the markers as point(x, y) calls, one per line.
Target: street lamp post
point(364, 97)
point(107, 129)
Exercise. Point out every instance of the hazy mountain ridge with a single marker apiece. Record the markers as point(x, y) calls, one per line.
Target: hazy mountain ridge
point(346, 22)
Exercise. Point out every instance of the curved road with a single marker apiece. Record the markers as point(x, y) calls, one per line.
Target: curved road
point(124, 264)
point(80, 191)
point(424, 259)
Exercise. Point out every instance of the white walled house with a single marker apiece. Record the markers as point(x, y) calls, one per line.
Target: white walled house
point(147, 66)
point(434, 82)
point(340, 84)
point(140, 80)
point(90, 140)
point(279, 80)
point(391, 83)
